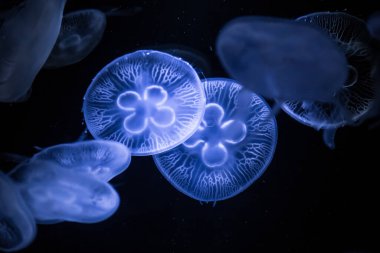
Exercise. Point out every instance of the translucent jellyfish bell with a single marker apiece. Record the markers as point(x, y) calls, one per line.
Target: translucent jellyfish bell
point(17, 226)
point(230, 150)
point(80, 33)
point(282, 59)
point(56, 194)
point(357, 96)
point(101, 159)
point(27, 37)
point(148, 100)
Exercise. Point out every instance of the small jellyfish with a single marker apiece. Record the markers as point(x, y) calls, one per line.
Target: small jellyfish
point(80, 33)
point(26, 40)
point(17, 226)
point(373, 25)
point(194, 57)
point(282, 59)
point(55, 194)
point(356, 97)
point(232, 147)
point(102, 159)
point(148, 100)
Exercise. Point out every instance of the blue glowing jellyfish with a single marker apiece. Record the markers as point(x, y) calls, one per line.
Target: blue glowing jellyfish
point(353, 101)
point(102, 159)
point(282, 59)
point(80, 33)
point(373, 25)
point(17, 225)
point(27, 38)
point(56, 194)
point(232, 148)
point(148, 100)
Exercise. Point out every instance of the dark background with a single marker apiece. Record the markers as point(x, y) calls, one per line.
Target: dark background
point(310, 199)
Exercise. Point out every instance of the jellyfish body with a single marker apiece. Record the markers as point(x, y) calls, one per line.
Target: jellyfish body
point(17, 225)
point(232, 148)
point(56, 194)
point(26, 39)
point(148, 100)
point(357, 96)
point(100, 159)
point(282, 59)
point(81, 31)
point(373, 25)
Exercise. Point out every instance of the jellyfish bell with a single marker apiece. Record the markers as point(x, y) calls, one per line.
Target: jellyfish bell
point(55, 194)
point(17, 226)
point(354, 101)
point(147, 100)
point(282, 59)
point(231, 149)
point(81, 31)
point(27, 37)
point(101, 159)
point(373, 25)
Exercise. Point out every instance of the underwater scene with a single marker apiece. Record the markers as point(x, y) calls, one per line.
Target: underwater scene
point(189, 126)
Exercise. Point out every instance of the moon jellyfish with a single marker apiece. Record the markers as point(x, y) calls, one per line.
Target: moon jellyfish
point(358, 94)
point(148, 100)
point(17, 225)
point(56, 194)
point(101, 159)
point(26, 39)
point(373, 25)
point(232, 147)
point(282, 59)
point(80, 33)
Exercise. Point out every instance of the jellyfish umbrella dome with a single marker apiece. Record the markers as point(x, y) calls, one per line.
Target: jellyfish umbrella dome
point(282, 59)
point(232, 147)
point(148, 100)
point(81, 31)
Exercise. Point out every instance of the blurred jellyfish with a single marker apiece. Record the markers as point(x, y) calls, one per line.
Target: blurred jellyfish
point(148, 100)
point(101, 159)
point(373, 25)
point(194, 57)
point(231, 149)
point(80, 33)
point(17, 225)
point(357, 96)
point(282, 59)
point(56, 194)
point(26, 40)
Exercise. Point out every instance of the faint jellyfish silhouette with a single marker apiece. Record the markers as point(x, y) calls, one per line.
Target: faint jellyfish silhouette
point(194, 57)
point(231, 149)
point(17, 226)
point(282, 59)
point(148, 100)
point(373, 25)
point(27, 38)
point(55, 194)
point(357, 96)
point(81, 31)
point(101, 159)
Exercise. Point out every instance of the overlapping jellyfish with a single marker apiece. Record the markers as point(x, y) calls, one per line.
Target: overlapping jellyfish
point(352, 101)
point(17, 225)
point(27, 36)
point(232, 147)
point(282, 59)
point(148, 100)
point(81, 31)
point(67, 182)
